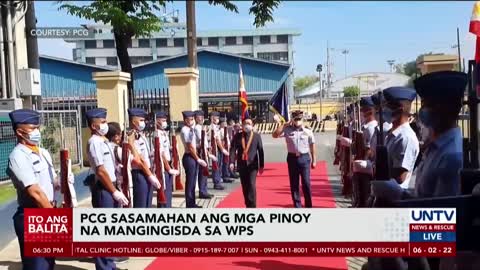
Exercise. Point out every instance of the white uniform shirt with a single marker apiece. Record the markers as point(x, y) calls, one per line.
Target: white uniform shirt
point(27, 168)
point(99, 153)
point(141, 144)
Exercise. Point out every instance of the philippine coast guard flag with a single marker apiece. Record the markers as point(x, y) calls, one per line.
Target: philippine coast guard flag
point(279, 103)
point(242, 95)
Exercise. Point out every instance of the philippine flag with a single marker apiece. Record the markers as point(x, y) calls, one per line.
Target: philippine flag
point(475, 28)
point(242, 95)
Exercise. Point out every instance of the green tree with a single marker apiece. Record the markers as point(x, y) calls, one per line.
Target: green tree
point(351, 91)
point(301, 83)
point(138, 18)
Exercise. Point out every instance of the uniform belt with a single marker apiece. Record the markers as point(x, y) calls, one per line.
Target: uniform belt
point(297, 154)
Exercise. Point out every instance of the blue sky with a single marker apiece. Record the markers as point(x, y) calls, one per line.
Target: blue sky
point(373, 32)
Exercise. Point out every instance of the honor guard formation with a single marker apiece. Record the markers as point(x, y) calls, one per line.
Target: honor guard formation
point(389, 156)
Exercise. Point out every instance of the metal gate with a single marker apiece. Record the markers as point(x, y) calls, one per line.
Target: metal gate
point(152, 100)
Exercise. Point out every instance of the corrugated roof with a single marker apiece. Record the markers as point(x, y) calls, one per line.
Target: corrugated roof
point(366, 82)
point(213, 51)
point(75, 62)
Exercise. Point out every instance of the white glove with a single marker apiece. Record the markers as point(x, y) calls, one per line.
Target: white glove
point(202, 162)
point(390, 189)
point(232, 166)
point(212, 157)
point(344, 141)
point(225, 152)
point(362, 166)
point(71, 178)
point(173, 172)
point(154, 181)
point(120, 198)
point(276, 118)
point(56, 183)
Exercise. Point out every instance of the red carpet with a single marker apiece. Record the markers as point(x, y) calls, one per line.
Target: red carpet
point(273, 191)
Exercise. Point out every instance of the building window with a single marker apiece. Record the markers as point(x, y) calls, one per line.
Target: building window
point(143, 43)
point(135, 60)
point(273, 56)
point(265, 39)
point(178, 42)
point(108, 44)
point(161, 42)
point(247, 54)
point(199, 42)
point(213, 41)
point(90, 44)
point(231, 41)
point(282, 39)
point(112, 61)
point(90, 60)
point(247, 40)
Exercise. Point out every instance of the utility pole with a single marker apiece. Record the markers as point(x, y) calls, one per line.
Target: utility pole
point(320, 92)
point(191, 34)
point(391, 62)
point(458, 48)
point(328, 66)
point(345, 52)
point(32, 49)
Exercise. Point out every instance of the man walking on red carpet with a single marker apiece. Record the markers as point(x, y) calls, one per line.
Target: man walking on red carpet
point(247, 150)
point(301, 156)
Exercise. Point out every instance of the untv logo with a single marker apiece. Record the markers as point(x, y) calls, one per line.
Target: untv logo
point(433, 215)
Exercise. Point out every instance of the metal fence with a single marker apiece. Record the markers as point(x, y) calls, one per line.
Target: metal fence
point(152, 100)
point(58, 128)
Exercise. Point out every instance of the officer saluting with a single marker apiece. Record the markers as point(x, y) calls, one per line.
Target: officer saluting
point(190, 160)
point(166, 156)
point(144, 181)
point(32, 173)
point(102, 160)
point(301, 156)
point(202, 179)
point(247, 150)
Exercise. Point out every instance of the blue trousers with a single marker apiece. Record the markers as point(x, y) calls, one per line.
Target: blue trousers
point(217, 175)
point(142, 190)
point(29, 263)
point(225, 167)
point(101, 198)
point(300, 166)
point(168, 189)
point(202, 182)
point(191, 174)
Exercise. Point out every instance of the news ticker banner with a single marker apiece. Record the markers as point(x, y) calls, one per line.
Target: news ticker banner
point(143, 232)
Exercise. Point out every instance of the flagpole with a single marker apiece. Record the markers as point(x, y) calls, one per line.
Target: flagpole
point(238, 95)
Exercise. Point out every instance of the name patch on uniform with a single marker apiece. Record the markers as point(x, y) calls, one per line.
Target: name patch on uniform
point(36, 162)
point(106, 153)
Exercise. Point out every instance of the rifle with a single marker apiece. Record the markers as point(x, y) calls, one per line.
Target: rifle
point(337, 142)
point(382, 170)
point(176, 160)
point(213, 145)
point(346, 155)
point(67, 188)
point(159, 167)
point(203, 152)
point(226, 158)
point(125, 185)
